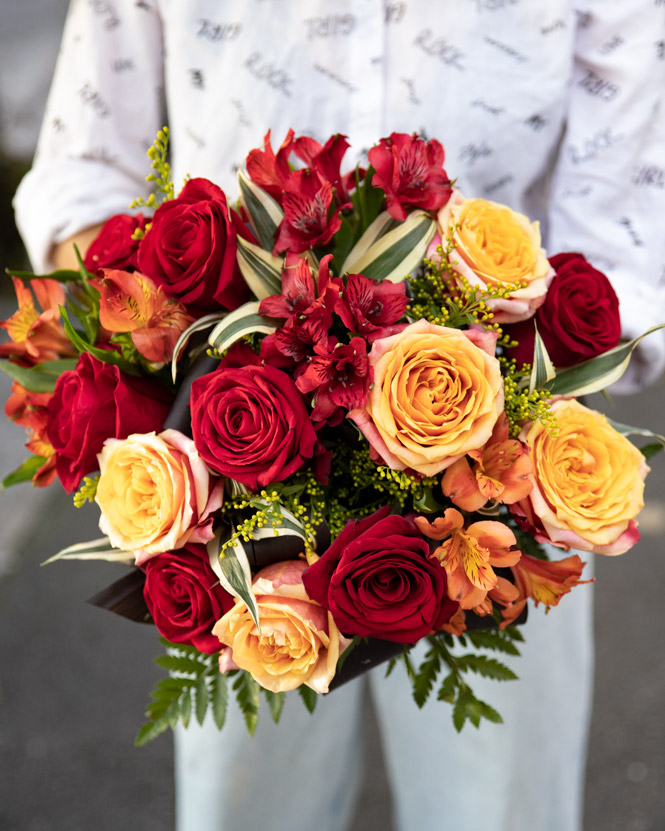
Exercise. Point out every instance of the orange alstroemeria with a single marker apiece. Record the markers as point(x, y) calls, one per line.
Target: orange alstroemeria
point(544, 581)
point(500, 471)
point(36, 336)
point(468, 554)
point(133, 303)
point(30, 410)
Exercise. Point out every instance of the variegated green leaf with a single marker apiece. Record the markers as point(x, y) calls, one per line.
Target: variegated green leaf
point(39, 378)
point(289, 526)
point(262, 271)
point(542, 370)
point(379, 228)
point(598, 373)
point(199, 325)
point(100, 549)
point(263, 211)
point(243, 321)
point(627, 430)
point(233, 571)
point(394, 255)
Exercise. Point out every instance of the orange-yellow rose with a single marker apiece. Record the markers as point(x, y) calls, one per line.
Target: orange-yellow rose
point(299, 642)
point(155, 493)
point(437, 394)
point(588, 482)
point(494, 244)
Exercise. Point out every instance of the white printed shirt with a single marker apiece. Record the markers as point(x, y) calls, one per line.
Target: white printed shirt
point(555, 108)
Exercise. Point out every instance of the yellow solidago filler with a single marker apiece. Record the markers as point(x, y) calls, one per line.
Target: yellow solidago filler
point(588, 481)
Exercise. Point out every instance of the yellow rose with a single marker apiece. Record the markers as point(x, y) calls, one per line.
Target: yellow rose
point(436, 395)
point(588, 482)
point(494, 244)
point(299, 642)
point(155, 493)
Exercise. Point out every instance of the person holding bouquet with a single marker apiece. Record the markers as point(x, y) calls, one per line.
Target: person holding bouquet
point(556, 111)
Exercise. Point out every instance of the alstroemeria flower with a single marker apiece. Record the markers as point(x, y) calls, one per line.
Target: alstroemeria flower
point(500, 471)
point(341, 377)
point(371, 309)
point(132, 302)
point(36, 336)
point(308, 221)
point(30, 410)
point(300, 294)
point(410, 173)
point(468, 554)
point(543, 581)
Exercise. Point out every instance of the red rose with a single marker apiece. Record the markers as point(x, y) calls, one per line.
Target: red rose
point(190, 249)
point(114, 247)
point(251, 424)
point(378, 580)
point(578, 320)
point(184, 597)
point(95, 402)
point(411, 173)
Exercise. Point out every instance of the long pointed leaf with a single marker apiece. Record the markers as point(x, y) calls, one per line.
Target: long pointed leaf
point(234, 572)
point(39, 378)
point(597, 373)
point(61, 275)
point(627, 430)
point(107, 356)
point(262, 271)
point(24, 472)
point(542, 370)
point(395, 254)
point(100, 549)
point(264, 212)
point(243, 321)
point(206, 322)
point(381, 226)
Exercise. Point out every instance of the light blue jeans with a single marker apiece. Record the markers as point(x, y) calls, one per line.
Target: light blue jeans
point(302, 775)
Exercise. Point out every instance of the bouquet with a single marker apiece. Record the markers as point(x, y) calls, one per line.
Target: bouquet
point(329, 422)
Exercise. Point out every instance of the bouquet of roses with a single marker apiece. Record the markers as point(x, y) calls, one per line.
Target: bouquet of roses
point(327, 423)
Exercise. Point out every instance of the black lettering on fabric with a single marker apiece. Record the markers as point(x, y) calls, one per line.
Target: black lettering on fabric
point(507, 48)
point(649, 176)
point(218, 32)
point(552, 27)
point(599, 87)
point(275, 77)
point(494, 5)
point(488, 108)
point(439, 47)
point(122, 65)
point(410, 85)
point(536, 122)
point(394, 11)
point(330, 73)
point(499, 183)
point(593, 146)
point(330, 26)
point(196, 78)
point(105, 9)
point(472, 152)
point(91, 98)
point(627, 223)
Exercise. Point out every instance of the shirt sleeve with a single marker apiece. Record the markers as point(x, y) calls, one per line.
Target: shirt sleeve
point(608, 190)
point(102, 114)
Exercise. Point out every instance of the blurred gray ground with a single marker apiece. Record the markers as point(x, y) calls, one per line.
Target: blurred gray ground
point(74, 680)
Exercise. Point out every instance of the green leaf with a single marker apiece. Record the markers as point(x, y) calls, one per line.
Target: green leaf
point(180, 663)
point(308, 696)
point(495, 639)
point(152, 729)
point(41, 377)
point(264, 212)
point(627, 430)
point(342, 243)
point(488, 712)
point(61, 275)
point(234, 572)
point(201, 700)
point(275, 703)
point(247, 695)
point(395, 254)
point(219, 697)
point(650, 450)
point(206, 322)
point(597, 373)
point(426, 503)
point(426, 676)
point(261, 270)
point(186, 708)
point(24, 472)
point(542, 370)
point(245, 320)
point(100, 549)
point(107, 356)
point(447, 688)
point(487, 667)
point(460, 710)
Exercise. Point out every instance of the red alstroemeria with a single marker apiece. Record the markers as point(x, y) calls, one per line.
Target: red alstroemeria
point(296, 340)
point(543, 581)
point(36, 336)
point(269, 171)
point(30, 410)
point(300, 295)
point(410, 173)
point(340, 377)
point(307, 221)
point(131, 302)
point(327, 163)
point(370, 308)
point(468, 554)
point(500, 471)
